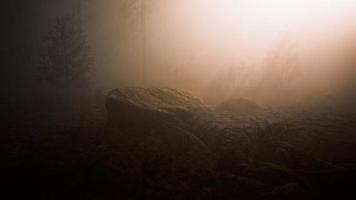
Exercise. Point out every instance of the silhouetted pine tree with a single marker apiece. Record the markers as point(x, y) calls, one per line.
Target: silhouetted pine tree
point(66, 58)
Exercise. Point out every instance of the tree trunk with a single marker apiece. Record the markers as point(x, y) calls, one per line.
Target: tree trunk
point(67, 82)
point(79, 13)
point(143, 42)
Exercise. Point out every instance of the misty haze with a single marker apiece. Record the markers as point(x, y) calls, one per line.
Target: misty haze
point(180, 99)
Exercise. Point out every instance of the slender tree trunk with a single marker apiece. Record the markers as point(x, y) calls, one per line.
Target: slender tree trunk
point(67, 81)
point(143, 42)
point(79, 13)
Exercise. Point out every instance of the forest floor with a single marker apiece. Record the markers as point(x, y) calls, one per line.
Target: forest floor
point(274, 154)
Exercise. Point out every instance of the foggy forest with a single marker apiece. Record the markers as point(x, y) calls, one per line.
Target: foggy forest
point(178, 99)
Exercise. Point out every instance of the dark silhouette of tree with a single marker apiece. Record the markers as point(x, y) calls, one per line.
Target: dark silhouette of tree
point(66, 60)
point(80, 11)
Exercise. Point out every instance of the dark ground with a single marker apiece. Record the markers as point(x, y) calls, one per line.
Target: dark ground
point(70, 153)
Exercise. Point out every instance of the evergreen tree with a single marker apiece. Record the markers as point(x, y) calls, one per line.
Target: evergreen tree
point(66, 60)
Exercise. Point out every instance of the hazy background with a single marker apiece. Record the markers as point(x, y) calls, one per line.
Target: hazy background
point(269, 51)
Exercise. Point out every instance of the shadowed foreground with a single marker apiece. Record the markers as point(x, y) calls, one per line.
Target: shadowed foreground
point(166, 144)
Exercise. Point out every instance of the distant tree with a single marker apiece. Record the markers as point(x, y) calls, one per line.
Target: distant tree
point(66, 59)
point(143, 40)
point(282, 66)
point(80, 11)
point(143, 5)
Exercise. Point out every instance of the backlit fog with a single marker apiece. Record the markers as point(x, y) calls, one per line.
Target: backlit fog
point(271, 51)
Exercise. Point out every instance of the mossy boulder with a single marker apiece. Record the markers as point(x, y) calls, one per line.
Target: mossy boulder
point(152, 106)
point(238, 106)
point(154, 124)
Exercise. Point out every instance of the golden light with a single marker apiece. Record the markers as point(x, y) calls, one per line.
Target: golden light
point(256, 24)
point(265, 17)
point(212, 35)
point(277, 14)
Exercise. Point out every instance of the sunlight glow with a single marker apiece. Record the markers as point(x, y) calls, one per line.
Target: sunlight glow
point(257, 23)
point(275, 14)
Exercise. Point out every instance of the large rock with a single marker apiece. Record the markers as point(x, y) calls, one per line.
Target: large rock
point(153, 124)
point(129, 107)
point(239, 106)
